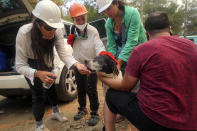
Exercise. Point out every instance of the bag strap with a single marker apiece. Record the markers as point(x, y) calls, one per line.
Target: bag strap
point(76, 31)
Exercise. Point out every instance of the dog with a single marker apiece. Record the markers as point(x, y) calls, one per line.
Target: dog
point(106, 66)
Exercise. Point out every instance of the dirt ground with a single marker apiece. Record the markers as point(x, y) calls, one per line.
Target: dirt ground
point(22, 120)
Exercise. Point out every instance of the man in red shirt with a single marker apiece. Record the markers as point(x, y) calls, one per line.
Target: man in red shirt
point(167, 69)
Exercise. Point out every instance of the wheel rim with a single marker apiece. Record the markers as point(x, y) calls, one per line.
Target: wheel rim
point(70, 82)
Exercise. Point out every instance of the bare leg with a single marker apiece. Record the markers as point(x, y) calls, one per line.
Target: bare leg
point(109, 119)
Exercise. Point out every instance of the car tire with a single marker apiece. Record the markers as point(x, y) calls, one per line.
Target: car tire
point(67, 89)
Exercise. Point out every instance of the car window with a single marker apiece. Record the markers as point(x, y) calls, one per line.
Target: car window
point(191, 39)
point(67, 29)
point(8, 7)
point(100, 26)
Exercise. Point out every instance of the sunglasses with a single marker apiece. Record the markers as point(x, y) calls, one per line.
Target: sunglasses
point(48, 28)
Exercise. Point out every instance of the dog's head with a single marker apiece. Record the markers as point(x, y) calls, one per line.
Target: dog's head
point(104, 64)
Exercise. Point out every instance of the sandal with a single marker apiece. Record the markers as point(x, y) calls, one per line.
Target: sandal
point(94, 119)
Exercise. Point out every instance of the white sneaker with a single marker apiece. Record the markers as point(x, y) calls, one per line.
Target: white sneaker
point(41, 128)
point(57, 116)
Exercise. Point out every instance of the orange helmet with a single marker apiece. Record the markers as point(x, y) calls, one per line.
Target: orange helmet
point(77, 9)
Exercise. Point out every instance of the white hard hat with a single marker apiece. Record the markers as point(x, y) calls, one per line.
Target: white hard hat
point(49, 12)
point(103, 4)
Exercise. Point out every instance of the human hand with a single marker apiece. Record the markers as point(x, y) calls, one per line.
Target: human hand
point(82, 69)
point(120, 62)
point(118, 66)
point(45, 76)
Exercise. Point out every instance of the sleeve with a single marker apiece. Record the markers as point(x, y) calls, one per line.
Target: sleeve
point(132, 36)
point(134, 64)
point(98, 43)
point(111, 45)
point(64, 55)
point(22, 66)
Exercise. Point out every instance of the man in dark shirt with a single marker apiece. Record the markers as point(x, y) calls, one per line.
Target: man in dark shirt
point(166, 67)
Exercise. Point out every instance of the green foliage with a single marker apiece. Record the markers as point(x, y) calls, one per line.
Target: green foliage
point(67, 18)
point(92, 11)
point(192, 18)
point(169, 6)
point(175, 12)
point(34, 2)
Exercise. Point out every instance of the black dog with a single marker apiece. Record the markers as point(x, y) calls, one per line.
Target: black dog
point(103, 64)
point(107, 66)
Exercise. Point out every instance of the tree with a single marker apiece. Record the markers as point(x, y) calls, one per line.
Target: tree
point(60, 3)
point(92, 11)
point(175, 13)
point(191, 17)
point(34, 2)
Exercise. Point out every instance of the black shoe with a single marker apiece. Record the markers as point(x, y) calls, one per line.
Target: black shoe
point(94, 119)
point(80, 114)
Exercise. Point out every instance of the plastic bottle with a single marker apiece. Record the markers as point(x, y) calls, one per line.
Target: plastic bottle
point(47, 86)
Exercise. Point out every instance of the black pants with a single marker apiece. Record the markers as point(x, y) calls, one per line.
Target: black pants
point(40, 94)
point(87, 85)
point(126, 104)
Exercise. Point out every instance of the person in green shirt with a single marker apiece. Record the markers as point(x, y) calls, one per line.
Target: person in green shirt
point(124, 30)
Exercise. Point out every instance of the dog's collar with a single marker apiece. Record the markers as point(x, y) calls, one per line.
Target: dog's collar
point(109, 54)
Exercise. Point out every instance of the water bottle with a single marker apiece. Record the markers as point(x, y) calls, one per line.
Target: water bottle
point(48, 86)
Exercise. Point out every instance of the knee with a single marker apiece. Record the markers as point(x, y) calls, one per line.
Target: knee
point(108, 95)
point(92, 89)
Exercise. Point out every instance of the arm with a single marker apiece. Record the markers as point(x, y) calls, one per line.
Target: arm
point(22, 66)
point(132, 35)
point(120, 62)
point(65, 56)
point(125, 84)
